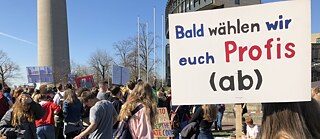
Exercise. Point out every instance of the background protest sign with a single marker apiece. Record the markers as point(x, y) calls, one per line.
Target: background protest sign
point(41, 74)
point(120, 75)
point(258, 53)
point(85, 81)
point(163, 127)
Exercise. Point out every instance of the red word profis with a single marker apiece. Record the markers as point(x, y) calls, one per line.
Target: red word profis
point(255, 51)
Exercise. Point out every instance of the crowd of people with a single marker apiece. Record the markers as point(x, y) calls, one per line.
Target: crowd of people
point(61, 111)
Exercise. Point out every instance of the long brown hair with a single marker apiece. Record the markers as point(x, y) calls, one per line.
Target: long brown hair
point(298, 120)
point(18, 114)
point(70, 96)
point(209, 112)
point(142, 93)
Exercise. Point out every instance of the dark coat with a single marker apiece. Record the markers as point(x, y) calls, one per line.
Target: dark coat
point(8, 130)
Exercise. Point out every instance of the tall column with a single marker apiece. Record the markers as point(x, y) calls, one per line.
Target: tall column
point(53, 44)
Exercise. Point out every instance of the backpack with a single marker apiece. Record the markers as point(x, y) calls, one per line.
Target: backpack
point(4, 105)
point(123, 131)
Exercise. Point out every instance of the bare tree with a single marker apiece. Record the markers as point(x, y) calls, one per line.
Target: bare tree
point(101, 62)
point(8, 69)
point(124, 49)
point(145, 55)
point(80, 70)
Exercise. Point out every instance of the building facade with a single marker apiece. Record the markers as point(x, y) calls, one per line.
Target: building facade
point(315, 61)
point(182, 6)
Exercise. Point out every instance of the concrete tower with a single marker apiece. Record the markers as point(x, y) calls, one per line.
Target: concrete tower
point(53, 44)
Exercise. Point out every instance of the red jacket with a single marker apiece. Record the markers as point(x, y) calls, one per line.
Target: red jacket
point(48, 118)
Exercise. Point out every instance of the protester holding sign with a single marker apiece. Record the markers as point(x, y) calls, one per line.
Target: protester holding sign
point(142, 122)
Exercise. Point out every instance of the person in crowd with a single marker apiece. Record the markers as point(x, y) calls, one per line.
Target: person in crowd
point(218, 121)
point(95, 90)
point(37, 91)
point(20, 119)
point(168, 101)
point(142, 122)
point(72, 111)
point(59, 95)
point(130, 86)
point(115, 99)
point(5, 102)
point(184, 114)
point(104, 93)
point(205, 116)
point(36, 98)
point(292, 120)
point(102, 117)
point(162, 98)
point(16, 94)
point(46, 125)
point(252, 129)
point(7, 95)
point(68, 86)
point(154, 83)
point(81, 90)
point(31, 90)
point(316, 93)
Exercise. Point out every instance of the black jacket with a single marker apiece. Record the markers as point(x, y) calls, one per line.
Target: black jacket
point(8, 130)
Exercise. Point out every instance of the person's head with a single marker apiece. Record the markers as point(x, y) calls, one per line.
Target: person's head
point(115, 91)
point(169, 92)
point(143, 94)
point(249, 121)
point(294, 120)
point(70, 96)
point(6, 89)
point(37, 97)
point(95, 90)
point(59, 87)
point(316, 93)
point(209, 112)
point(50, 94)
point(69, 86)
point(17, 92)
point(81, 90)
point(31, 90)
point(88, 98)
point(43, 89)
point(161, 89)
point(103, 86)
point(130, 85)
point(22, 108)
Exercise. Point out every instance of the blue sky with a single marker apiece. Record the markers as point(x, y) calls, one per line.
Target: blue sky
point(92, 25)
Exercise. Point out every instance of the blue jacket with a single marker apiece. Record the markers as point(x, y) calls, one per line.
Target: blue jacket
point(72, 111)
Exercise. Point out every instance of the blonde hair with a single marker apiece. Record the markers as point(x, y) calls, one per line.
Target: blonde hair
point(315, 93)
point(209, 112)
point(142, 93)
point(18, 114)
point(70, 96)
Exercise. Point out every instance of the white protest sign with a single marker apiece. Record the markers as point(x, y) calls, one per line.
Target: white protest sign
point(120, 75)
point(259, 53)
